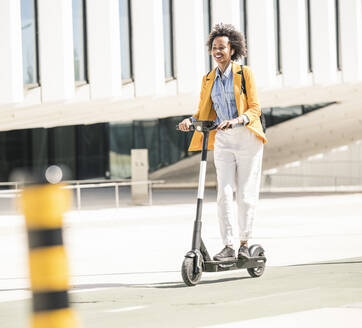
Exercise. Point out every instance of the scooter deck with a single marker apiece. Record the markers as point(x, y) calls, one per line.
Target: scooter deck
point(252, 262)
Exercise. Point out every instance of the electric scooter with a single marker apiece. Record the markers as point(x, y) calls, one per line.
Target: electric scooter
point(198, 259)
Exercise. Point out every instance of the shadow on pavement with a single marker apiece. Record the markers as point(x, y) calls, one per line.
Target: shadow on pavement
point(167, 285)
point(161, 285)
point(349, 261)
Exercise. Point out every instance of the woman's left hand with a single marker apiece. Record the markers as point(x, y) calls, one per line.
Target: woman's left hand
point(227, 123)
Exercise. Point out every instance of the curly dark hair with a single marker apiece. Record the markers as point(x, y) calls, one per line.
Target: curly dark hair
point(236, 39)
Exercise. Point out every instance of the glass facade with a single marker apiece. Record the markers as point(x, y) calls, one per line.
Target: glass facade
point(29, 42)
point(82, 148)
point(168, 38)
point(207, 29)
point(276, 115)
point(165, 144)
point(278, 54)
point(79, 40)
point(244, 23)
point(92, 151)
point(126, 39)
point(15, 152)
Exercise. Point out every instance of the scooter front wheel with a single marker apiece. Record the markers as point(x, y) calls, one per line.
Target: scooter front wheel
point(187, 271)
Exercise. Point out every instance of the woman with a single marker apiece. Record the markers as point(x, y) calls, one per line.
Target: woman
point(239, 137)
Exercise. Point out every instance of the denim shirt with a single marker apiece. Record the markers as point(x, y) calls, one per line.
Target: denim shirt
point(223, 97)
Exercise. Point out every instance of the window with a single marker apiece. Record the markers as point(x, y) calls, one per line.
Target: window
point(207, 29)
point(275, 115)
point(277, 37)
point(309, 35)
point(155, 135)
point(338, 36)
point(29, 31)
point(126, 40)
point(79, 41)
point(168, 39)
point(244, 23)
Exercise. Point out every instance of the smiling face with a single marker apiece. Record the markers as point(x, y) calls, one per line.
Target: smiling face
point(221, 51)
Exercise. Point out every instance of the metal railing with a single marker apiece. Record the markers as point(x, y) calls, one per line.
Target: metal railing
point(15, 188)
point(305, 182)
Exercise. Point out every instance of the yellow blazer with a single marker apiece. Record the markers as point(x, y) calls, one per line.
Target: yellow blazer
point(248, 106)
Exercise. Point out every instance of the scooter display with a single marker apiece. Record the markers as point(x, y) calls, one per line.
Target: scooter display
point(198, 259)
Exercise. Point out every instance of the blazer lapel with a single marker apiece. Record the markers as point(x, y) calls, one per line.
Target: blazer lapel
point(209, 83)
point(237, 85)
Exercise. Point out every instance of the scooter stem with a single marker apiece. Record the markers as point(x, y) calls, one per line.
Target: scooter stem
point(196, 239)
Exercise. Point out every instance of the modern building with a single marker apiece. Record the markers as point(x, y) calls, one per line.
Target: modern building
point(83, 82)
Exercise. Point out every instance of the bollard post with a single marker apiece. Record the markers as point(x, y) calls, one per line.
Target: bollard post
point(43, 207)
point(139, 187)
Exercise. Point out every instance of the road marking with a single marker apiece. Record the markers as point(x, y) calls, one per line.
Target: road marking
point(125, 309)
point(24, 294)
point(324, 317)
point(257, 298)
point(76, 290)
point(14, 295)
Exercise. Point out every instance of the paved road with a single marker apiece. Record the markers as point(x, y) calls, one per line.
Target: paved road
point(216, 300)
point(225, 299)
point(125, 267)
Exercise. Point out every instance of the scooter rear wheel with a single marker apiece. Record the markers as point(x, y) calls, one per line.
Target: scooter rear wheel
point(255, 251)
point(187, 272)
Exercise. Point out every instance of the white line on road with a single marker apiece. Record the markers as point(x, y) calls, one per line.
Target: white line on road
point(125, 309)
point(14, 295)
point(24, 294)
point(74, 291)
point(257, 298)
point(325, 317)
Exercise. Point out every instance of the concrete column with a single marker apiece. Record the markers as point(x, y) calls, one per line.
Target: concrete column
point(56, 50)
point(189, 44)
point(261, 42)
point(11, 65)
point(139, 190)
point(104, 54)
point(323, 28)
point(226, 11)
point(351, 39)
point(148, 53)
point(294, 42)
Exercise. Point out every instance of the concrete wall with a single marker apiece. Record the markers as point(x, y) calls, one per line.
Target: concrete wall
point(104, 50)
point(56, 48)
point(11, 76)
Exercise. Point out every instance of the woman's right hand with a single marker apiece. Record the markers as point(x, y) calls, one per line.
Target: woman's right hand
point(185, 125)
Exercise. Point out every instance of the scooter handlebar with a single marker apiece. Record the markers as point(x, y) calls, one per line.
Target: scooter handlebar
point(200, 126)
point(191, 128)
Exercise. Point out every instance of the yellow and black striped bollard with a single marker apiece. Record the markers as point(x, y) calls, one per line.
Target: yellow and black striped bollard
point(43, 207)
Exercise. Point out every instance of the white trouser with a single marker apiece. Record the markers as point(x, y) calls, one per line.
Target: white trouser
point(238, 158)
